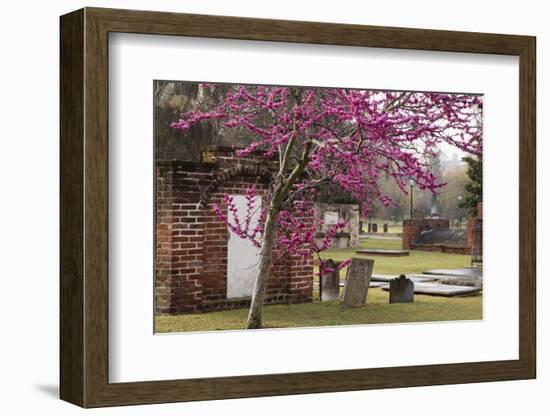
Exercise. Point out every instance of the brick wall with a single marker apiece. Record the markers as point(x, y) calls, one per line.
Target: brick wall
point(413, 227)
point(191, 241)
point(471, 225)
point(443, 248)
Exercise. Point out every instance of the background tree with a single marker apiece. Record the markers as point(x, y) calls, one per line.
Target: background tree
point(339, 137)
point(398, 210)
point(474, 188)
point(449, 197)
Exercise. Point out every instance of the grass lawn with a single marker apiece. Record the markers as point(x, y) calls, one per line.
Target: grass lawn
point(376, 311)
point(415, 262)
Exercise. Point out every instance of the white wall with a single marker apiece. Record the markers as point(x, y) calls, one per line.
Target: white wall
point(29, 206)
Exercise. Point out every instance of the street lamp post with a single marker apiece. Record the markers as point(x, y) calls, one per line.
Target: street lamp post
point(459, 212)
point(411, 183)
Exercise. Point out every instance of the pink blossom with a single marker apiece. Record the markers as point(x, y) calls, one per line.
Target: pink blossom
point(355, 137)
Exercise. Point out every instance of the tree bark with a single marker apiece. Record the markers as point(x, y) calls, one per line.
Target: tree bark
point(280, 193)
point(266, 254)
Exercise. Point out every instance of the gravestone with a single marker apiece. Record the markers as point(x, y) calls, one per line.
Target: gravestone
point(329, 283)
point(385, 228)
point(401, 290)
point(374, 228)
point(369, 227)
point(357, 283)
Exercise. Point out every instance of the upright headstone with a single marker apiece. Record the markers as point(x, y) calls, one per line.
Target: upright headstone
point(360, 227)
point(385, 228)
point(374, 228)
point(329, 282)
point(357, 283)
point(369, 227)
point(401, 290)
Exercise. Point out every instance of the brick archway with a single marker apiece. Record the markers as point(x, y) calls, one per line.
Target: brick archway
point(225, 175)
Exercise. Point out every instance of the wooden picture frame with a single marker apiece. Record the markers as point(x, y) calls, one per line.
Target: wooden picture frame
point(84, 207)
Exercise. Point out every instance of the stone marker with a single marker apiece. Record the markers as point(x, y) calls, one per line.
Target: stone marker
point(357, 282)
point(369, 227)
point(374, 228)
point(385, 228)
point(329, 283)
point(401, 290)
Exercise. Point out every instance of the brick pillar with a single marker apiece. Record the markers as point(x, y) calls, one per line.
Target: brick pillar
point(470, 226)
point(163, 260)
point(411, 229)
point(179, 233)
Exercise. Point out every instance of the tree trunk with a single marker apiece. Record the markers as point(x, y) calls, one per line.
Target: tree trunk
point(255, 313)
point(280, 192)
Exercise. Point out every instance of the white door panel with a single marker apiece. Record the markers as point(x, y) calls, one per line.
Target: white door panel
point(242, 256)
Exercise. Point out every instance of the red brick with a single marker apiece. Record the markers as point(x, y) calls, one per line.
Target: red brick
point(192, 242)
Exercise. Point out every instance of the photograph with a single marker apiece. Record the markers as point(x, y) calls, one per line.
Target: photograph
point(251, 208)
point(305, 206)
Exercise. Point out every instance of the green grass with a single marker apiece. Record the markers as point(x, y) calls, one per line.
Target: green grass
point(376, 311)
point(415, 262)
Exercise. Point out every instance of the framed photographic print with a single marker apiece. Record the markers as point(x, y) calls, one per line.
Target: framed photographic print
point(256, 207)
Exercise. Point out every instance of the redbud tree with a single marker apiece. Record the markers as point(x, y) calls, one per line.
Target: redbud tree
point(328, 137)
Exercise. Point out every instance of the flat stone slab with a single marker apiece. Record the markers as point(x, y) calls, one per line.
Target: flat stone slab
point(414, 277)
point(466, 271)
point(436, 289)
point(371, 284)
point(380, 236)
point(462, 281)
point(381, 252)
point(450, 280)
